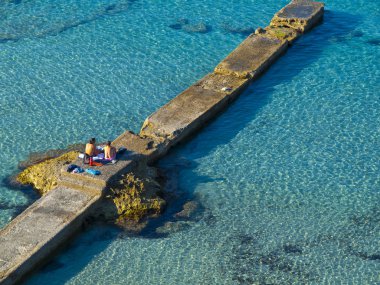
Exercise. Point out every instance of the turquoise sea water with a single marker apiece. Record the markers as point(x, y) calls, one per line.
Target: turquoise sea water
point(288, 176)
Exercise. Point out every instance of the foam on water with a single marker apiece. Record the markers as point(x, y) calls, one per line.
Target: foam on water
point(288, 175)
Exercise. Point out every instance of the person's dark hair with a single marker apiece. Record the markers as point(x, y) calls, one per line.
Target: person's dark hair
point(92, 140)
point(109, 143)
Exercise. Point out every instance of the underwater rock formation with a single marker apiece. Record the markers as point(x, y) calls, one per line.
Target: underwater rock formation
point(173, 227)
point(196, 28)
point(253, 262)
point(44, 176)
point(44, 26)
point(190, 213)
point(185, 25)
point(189, 210)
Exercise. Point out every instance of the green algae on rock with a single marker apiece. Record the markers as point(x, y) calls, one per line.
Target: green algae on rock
point(44, 176)
point(136, 198)
point(280, 33)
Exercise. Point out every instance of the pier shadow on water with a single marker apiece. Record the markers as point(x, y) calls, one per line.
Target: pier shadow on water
point(336, 27)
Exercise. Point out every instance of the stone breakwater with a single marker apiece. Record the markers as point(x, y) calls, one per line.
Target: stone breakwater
point(48, 223)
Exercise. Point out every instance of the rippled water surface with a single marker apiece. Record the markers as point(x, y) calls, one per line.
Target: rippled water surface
point(287, 177)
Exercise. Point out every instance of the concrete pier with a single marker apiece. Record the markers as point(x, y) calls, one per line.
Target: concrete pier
point(40, 229)
point(187, 112)
point(48, 223)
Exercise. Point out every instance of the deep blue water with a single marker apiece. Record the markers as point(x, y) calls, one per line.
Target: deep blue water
point(288, 176)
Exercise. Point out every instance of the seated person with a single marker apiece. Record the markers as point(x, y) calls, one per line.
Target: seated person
point(109, 152)
point(91, 148)
point(90, 151)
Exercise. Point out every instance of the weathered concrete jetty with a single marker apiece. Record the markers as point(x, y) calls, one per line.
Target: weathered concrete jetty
point(48, 223)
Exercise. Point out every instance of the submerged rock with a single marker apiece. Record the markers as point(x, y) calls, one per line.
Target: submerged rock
point(44, 176)
point(175, 26)
point(189, 210)
point(173, 227)
point(291, 248)
point(183, 21)
point(179, 23)
point(185, 25)
point(196, 28)
point(43, 27)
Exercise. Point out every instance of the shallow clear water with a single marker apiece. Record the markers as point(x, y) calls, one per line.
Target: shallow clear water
point(288, 176)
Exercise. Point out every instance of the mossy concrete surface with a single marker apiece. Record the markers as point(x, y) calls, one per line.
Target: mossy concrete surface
point(281, 33)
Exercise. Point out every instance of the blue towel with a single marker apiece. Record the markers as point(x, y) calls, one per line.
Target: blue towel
point(93, 171)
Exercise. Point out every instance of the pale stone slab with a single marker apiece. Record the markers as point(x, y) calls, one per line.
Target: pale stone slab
point(137, 144)
point(192, 108)
point(227, 84)
point(254, 55)
point(187, 109)
point(300, 15)
point(39, 230)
